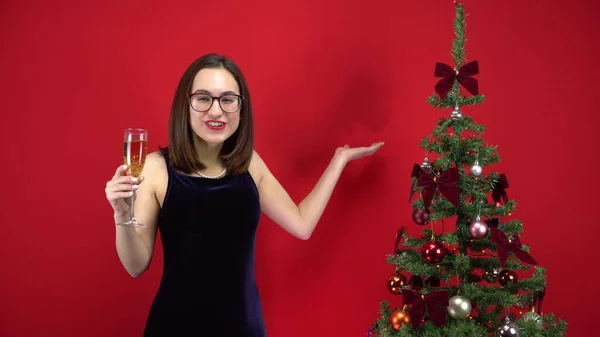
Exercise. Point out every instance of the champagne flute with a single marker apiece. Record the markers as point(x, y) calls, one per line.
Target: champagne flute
point(135, 148)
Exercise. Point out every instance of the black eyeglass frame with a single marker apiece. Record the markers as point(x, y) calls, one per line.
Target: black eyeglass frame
point(212, 101)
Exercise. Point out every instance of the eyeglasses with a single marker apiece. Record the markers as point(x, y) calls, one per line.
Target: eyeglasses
point(203, 102)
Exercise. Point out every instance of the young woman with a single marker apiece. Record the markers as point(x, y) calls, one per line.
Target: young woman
point(205, 192)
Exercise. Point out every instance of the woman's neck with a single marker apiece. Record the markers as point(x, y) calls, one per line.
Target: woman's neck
point(208, 153)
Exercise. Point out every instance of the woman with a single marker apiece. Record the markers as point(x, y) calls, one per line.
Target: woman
point(205, 193)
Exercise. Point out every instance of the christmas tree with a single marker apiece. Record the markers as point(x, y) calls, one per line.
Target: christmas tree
point(475, 278)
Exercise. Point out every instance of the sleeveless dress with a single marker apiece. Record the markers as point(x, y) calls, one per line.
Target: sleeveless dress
point(208, 229)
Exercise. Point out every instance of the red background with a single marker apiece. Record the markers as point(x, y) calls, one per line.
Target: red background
point(322, 73)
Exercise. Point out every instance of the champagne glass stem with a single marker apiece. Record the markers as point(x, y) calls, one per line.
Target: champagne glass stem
point(131, 212)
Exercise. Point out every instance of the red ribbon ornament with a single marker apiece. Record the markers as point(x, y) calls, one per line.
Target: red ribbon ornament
point(434, 304)
point(444, 183)
point(499, 192)
point(463, 75)
point(506, 245)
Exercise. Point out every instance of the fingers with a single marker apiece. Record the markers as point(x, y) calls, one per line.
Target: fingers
point(358, 152)
point(372, 147)
point(375, 146)
point(122, 186)
point(120, 171)
point(124, 180)
point(120, 195)
point(119, 175)
point(120, 190)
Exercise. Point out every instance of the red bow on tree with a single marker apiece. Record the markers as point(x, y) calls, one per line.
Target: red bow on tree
point(414, 174)
point(434, 304)
point(444, 183)
point(506, 245)
point(399, 235)
point(537, 300)
point(493, 222)
point(463, 75)
point(499, 192)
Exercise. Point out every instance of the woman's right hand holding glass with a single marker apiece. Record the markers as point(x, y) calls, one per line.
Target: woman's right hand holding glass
point(120, 189)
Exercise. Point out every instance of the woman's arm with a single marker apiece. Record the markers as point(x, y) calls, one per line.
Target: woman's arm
point(135, 246)
point(300, 220)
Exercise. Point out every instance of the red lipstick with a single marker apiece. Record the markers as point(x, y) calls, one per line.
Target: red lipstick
point(215, 125)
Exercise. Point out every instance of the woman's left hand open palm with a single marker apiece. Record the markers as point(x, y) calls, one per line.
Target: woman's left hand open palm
point(350, 153)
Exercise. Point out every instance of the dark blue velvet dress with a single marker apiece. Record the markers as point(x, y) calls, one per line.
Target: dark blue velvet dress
point(208, 288)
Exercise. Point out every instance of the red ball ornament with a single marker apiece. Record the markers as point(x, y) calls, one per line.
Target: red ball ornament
point(395, 283)
point(420, 217)
point(507, 277)
point(433, 252)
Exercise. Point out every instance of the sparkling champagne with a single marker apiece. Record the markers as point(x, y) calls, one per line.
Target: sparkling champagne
point(135, 147)
point(134, 156)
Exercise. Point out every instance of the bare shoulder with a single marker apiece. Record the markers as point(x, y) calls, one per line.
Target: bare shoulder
point(155, 175)
point(258, 168)
point(156, 160)
point(155, 165)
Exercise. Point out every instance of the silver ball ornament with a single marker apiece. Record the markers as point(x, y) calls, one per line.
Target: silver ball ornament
point(456, 114)
point(532, 316)
point(426, 165)
point(459, 307)
point(478, 229)
point(508, 328)
point(476, 170)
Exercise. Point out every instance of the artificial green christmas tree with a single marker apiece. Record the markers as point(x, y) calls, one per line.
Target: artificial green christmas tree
point(475, 278)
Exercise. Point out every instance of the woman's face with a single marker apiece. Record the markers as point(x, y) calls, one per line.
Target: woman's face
point(220, 121)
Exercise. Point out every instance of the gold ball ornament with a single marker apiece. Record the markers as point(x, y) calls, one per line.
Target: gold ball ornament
point(398, 318)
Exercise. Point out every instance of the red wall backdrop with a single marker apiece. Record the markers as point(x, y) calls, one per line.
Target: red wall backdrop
point(74, 74)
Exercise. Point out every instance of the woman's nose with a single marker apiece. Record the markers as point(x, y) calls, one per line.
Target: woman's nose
point(215, 109)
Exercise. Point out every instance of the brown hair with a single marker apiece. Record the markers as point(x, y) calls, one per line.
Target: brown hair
point(237, 149)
